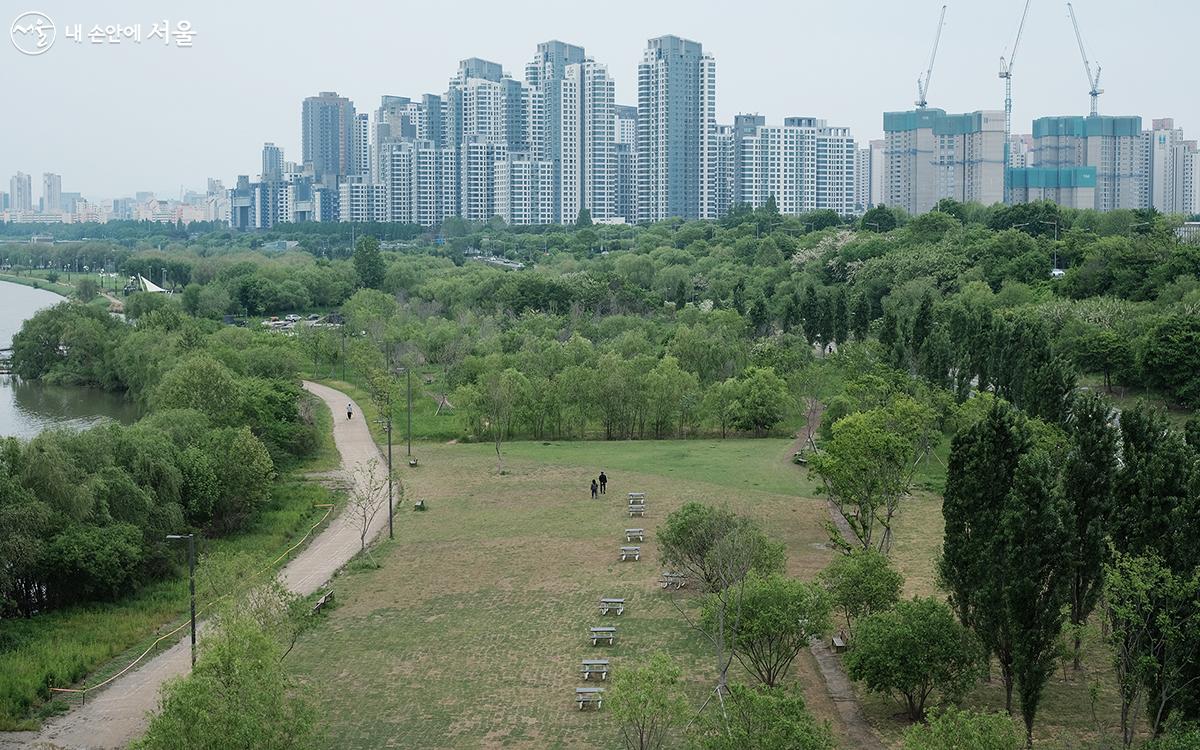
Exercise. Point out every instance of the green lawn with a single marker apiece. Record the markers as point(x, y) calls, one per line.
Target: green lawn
point(471, 632)
point(83, 645)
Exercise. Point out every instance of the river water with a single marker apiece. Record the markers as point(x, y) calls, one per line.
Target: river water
point(27, 408)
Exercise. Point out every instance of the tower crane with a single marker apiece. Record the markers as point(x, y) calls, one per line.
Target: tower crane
point(1093, 80)
point(923, 81)
point(1006, 67)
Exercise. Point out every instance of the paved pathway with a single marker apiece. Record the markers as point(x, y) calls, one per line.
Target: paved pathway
point(118, 713)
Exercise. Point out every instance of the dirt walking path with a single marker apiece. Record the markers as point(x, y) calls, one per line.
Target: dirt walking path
point(118, 713)
point(856, 728)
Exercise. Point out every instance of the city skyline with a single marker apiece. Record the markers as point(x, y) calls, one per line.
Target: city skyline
point(209, 99)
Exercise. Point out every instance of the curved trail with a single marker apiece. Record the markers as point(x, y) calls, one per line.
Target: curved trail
point(118, 714)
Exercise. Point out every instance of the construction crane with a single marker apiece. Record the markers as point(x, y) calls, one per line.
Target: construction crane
point(923, 81)
point(1093, 80)
point(1006, 67)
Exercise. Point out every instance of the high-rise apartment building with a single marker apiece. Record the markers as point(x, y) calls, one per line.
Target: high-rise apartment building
point(574, 96)
point(805, 165)
point(328, 134)
point(360, 200)
point(51, 193)
point(930, 155)
point(1111, 144)
point(677, 131)
point(421, 182)
point(862, 180)
point(362, 145)
point(272, 163)
point(625, 162)
point(1170, 173)
point(20, 192)
point(878, 171)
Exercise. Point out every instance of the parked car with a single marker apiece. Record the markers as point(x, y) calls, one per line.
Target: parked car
point(292, 318)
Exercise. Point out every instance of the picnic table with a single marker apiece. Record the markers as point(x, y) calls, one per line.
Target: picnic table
point(635, 535)
point(671, 580)
point(589, 696)
point(607, 604)
point(636, 498)
point(607, 633)
point(631, 553)
point(637, 510)
point(594, 667)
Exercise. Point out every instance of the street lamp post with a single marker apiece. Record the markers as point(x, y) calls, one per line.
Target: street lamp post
point(408, 372)
point(1055, 223)
point(191, 582)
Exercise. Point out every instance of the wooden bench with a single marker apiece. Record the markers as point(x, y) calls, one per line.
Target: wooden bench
point(412, 462)
point(839, 644)
point(324, 599)
point(673, 580)
point(637, 510)
point(637, 498)
point(612, 604)
point(608, 634)
point(631, 553)
point(588, 696)
point(420, 505)
point(635, 535)
point(594, 667)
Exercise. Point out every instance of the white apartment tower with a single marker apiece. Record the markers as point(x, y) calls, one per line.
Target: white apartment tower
point(51, 193)
point(805, 165)
point(1170, 172)
point(20, 192)
point(677, 131)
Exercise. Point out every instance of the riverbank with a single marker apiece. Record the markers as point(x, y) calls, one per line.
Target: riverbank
point(62, 290)
point(84, 645)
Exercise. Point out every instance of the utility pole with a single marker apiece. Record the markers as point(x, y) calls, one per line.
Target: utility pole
point(191, 583)
point(408, 372)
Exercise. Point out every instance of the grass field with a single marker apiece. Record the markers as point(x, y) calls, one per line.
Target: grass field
point(471, 632)
point(84, 645)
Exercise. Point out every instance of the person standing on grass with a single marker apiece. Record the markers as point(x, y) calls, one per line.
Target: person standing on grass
point(594, 486)
point(603, 482)
point(350, 410)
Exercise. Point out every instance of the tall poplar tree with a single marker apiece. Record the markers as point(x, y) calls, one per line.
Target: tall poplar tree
point(1036, 575)
point(1089, 472)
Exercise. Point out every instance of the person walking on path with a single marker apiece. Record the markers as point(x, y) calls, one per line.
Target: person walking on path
point(594, 485)
point(350, 410)
point(603, 482)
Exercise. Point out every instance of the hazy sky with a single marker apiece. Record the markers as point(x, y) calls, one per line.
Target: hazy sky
point(113, 119)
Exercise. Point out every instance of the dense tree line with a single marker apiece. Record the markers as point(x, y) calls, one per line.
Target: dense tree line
point(83, 516)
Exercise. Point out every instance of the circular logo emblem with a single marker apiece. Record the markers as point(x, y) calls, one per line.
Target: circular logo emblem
point(32, 33)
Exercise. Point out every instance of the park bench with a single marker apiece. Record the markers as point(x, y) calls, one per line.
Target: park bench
point(420, 505)
point(588, 696)
point(637, 510)
point(412, 462)
point(631, 553)
point(673, 580)
point(608, 634)
point(635, 535)
point(322, 601)
point(637, 498)
point(614, 604)
point(594, 667)
point(839, 644)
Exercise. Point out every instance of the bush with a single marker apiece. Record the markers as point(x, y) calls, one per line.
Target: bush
point(914, 651)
